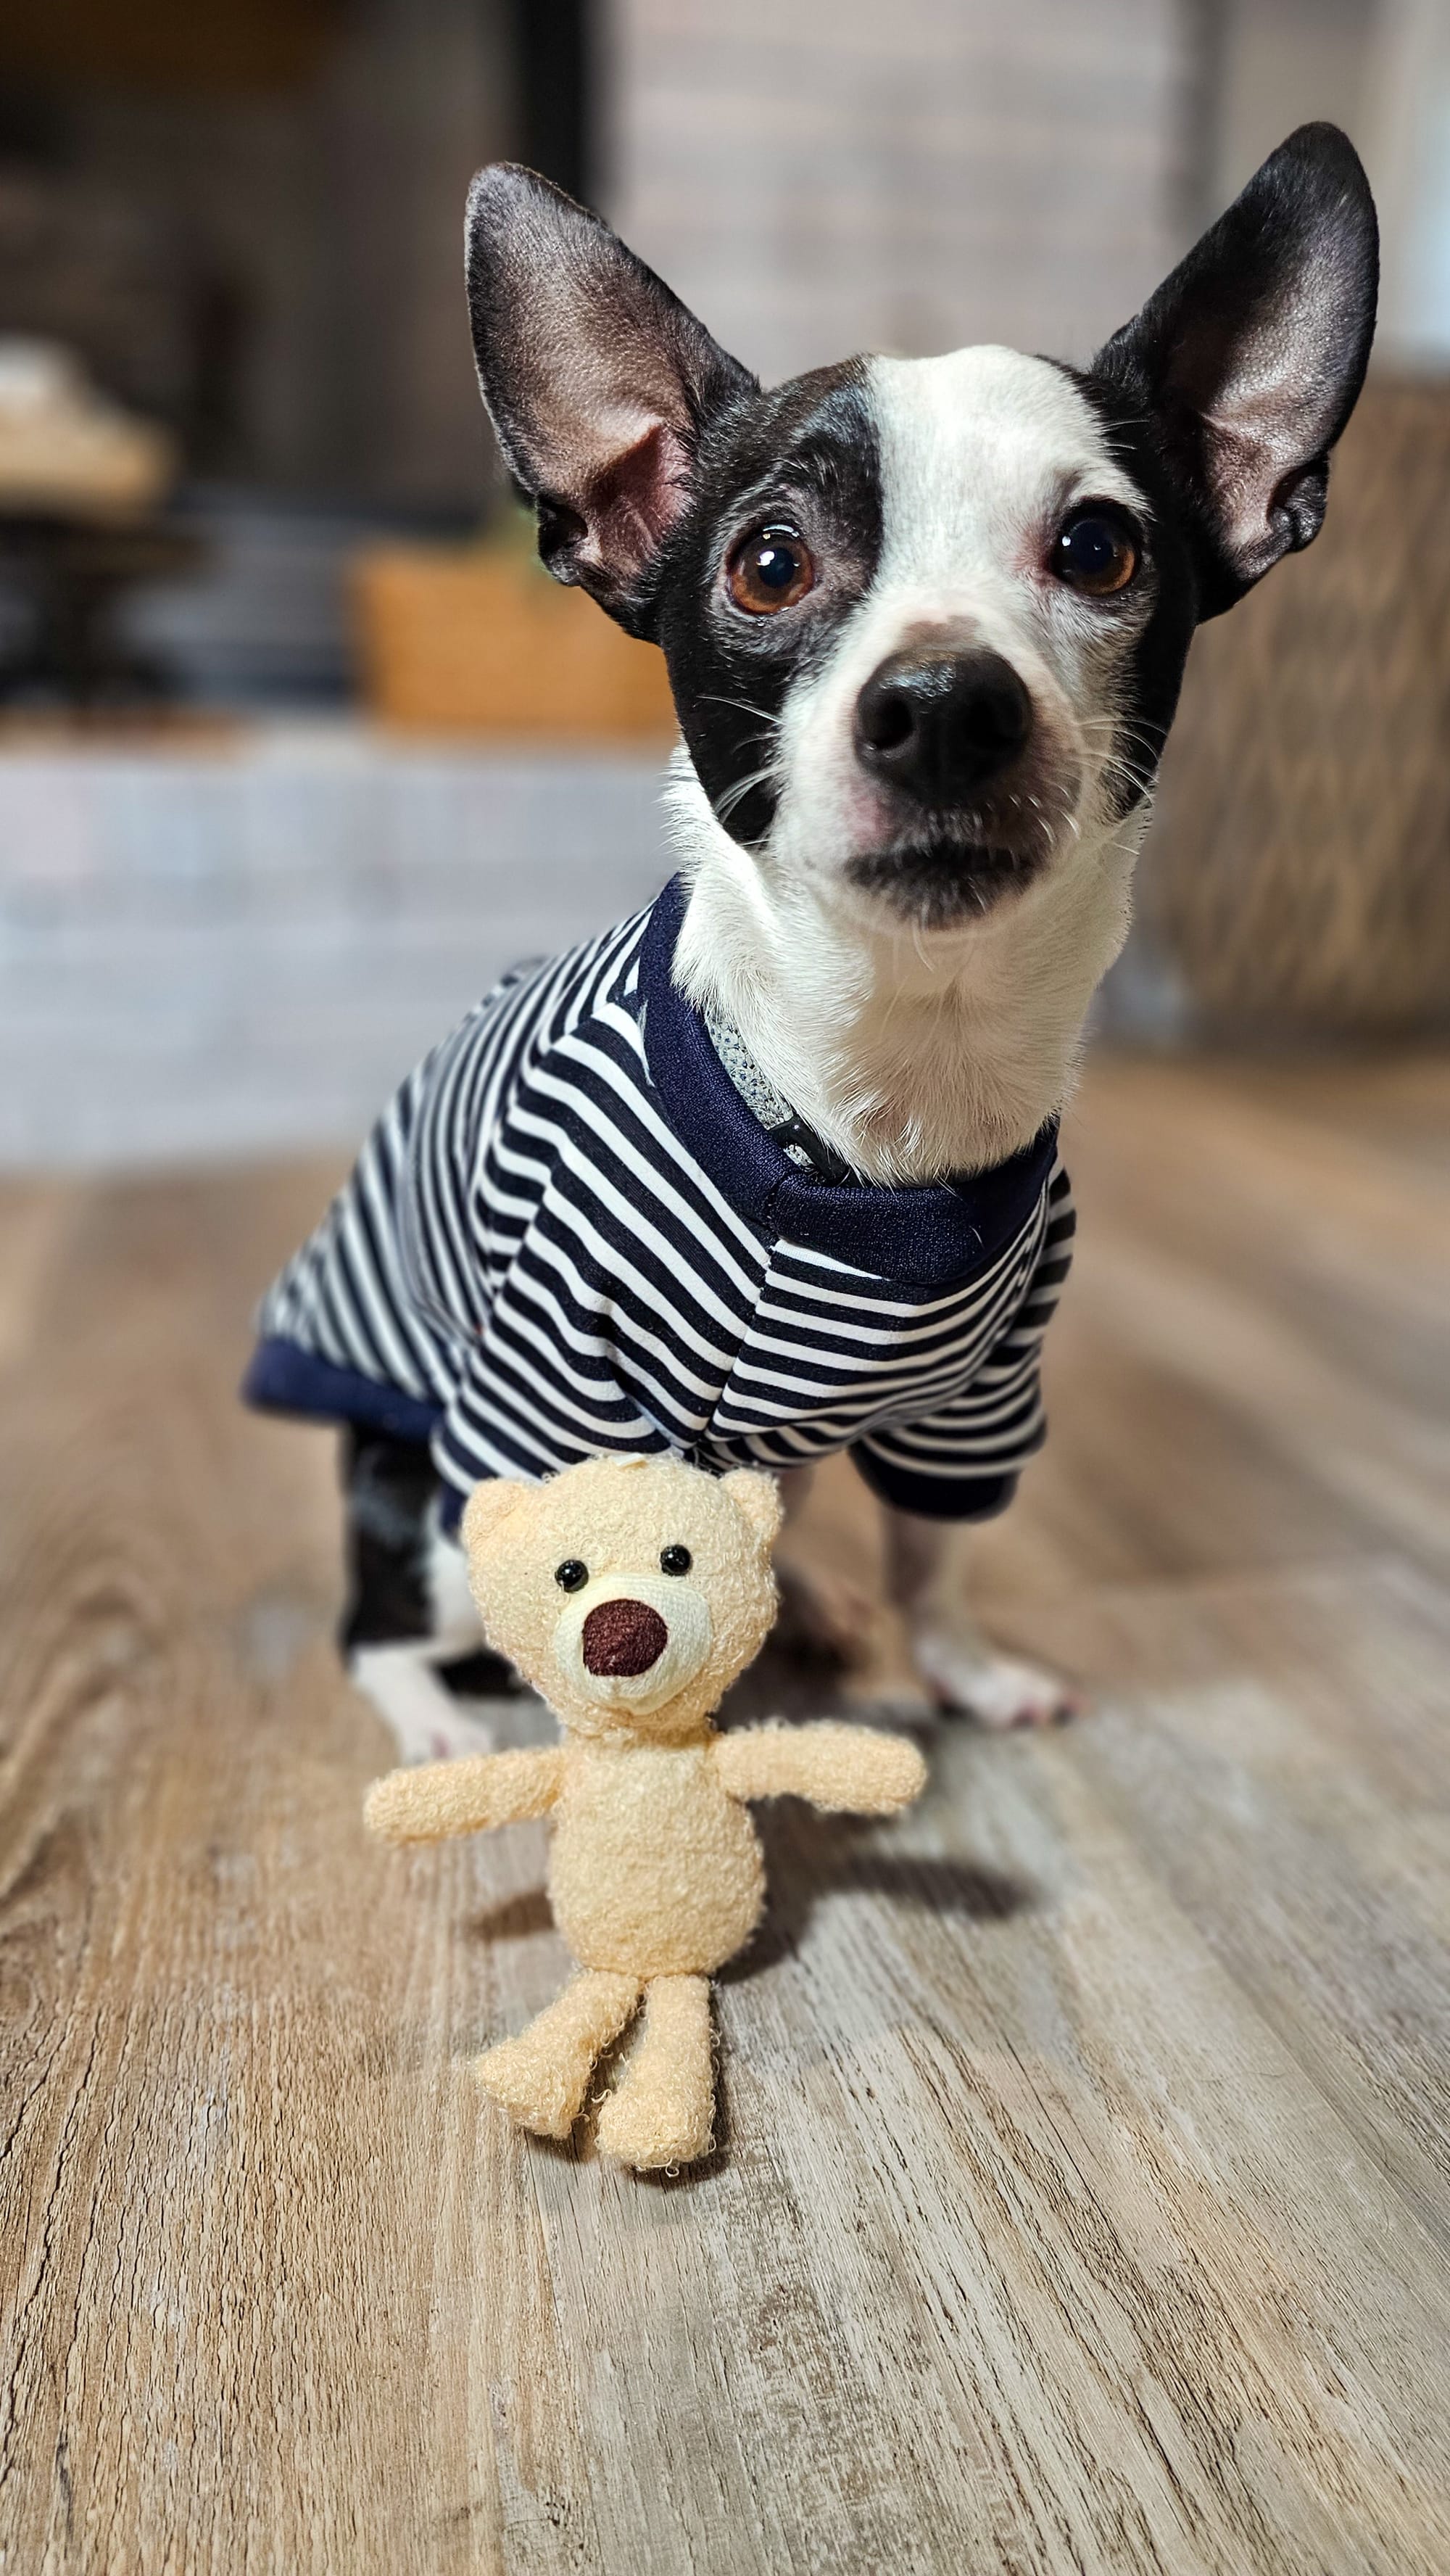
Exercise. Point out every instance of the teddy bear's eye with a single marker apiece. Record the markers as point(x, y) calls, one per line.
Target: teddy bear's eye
point(675, 1560)
point(572, 1575)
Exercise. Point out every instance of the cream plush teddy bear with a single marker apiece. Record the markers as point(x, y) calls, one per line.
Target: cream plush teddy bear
point(631, 1592)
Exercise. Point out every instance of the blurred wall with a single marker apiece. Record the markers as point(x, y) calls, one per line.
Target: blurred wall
point(1281, 62)
point(1381, 69)
point(241, 946)
point(1409, 156)
point(819, 176)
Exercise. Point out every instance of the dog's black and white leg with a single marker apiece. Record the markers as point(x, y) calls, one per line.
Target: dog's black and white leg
point(957, 1665)
point(410, 1634)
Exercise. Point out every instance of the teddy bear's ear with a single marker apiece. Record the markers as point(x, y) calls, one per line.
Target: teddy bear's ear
point(488, 1507)
point(758, 1497)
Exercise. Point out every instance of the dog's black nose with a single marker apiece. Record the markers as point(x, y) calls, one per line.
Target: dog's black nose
point(940, 724)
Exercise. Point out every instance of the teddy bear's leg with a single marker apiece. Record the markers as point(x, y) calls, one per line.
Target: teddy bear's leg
point(663, 2110)
point(541, 2077)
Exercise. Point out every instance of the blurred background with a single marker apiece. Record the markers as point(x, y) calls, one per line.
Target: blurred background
point(297, 747)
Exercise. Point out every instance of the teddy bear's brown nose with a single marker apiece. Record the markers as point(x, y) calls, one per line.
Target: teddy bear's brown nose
point(623, 1637)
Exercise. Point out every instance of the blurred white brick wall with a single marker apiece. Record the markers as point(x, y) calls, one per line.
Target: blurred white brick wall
point(821, 176)
point(241, 950)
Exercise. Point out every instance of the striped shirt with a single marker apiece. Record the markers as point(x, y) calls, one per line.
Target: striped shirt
point(570, 1234)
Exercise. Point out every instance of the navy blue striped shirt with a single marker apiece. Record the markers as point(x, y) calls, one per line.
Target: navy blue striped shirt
point(569, 1234)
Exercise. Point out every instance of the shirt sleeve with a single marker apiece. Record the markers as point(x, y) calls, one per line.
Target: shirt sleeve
point(962, 1462)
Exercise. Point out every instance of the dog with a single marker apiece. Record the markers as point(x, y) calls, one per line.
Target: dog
point(925, 622)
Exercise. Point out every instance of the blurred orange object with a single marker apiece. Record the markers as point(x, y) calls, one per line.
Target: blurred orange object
point(479, 640)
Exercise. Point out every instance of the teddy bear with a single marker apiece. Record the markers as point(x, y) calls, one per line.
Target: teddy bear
point(631, 1592)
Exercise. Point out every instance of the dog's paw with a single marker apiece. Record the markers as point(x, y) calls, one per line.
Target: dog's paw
point(997, 1690)
point(466, 1727)
point(426, 1722)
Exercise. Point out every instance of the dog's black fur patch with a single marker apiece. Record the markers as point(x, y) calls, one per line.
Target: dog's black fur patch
point(1152, 676)
point(807, 454)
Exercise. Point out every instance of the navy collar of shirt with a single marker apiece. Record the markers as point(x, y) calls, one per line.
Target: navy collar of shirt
point(933, 1236)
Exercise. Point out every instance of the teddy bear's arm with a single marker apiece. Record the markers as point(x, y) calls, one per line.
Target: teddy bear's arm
point(438, 1798)
point(854, 1770)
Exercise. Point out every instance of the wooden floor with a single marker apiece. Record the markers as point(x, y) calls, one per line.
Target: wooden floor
point(1084, 2199)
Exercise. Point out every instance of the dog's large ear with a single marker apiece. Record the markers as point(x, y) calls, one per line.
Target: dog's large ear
point(597, 380)
point(1251, 357)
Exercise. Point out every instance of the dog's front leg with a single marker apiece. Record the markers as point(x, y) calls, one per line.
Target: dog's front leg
point(956, 1663)
point(822, 1611)
point(409, 1615)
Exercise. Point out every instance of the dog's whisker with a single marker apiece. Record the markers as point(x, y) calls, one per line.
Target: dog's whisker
point(741, 707)
point(736, 794)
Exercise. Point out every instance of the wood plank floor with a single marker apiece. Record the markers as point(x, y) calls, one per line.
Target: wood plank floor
point(1083, 2204)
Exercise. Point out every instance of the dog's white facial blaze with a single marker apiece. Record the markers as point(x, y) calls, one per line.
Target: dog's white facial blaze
point(982, 456)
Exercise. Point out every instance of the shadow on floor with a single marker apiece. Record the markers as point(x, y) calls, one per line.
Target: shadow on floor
point(809, 1856)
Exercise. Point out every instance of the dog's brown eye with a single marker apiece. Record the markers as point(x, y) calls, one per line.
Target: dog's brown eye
point(771, 570)
point(675, 1560)
point(572, 1575)
point(1097, 551)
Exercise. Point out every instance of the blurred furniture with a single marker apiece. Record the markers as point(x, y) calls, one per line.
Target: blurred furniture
point(268, 622)
point(64, 447)
point(79, 483)
point(99, 270)
point(71, 578)
point(480, 640)
point(1299, 869)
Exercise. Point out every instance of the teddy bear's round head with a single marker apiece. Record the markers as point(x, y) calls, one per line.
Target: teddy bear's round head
point(629, 1591)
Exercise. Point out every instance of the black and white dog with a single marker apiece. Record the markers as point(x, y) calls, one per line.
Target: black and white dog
point(925, 623)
